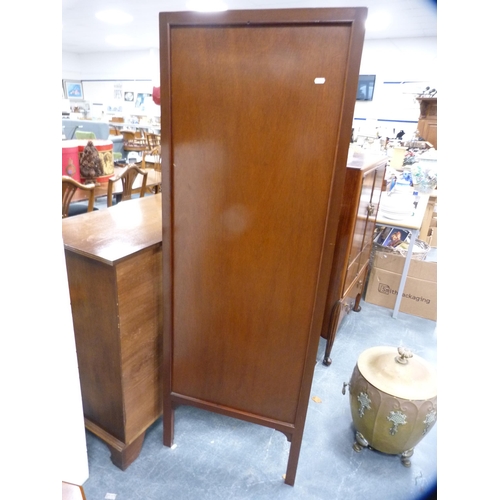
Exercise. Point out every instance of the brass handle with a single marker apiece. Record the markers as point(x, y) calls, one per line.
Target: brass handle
point(404, 355)
point(370, 209)
point(360, 283)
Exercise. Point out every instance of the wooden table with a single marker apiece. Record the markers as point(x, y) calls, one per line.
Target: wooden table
point(114, 264)
point(153, 183)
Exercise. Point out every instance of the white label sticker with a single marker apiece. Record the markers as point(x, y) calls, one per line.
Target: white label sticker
point(319, 81)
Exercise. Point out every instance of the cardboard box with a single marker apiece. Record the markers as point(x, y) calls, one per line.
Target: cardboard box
point(420, 293)
point(433, 237)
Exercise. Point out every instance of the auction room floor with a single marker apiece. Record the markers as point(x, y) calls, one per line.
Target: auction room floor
point(220, 458)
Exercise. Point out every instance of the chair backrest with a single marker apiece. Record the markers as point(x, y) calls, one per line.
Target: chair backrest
point(84, 134)
point(152, 157)
point(69, 187)
point(133, 141)
point(127, 179)
point(128, 135)
point(154, 140)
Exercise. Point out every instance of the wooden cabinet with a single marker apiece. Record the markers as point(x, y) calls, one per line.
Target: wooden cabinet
point(360, 201)
point(114, 264)
point(257, 110)
point(427, 122)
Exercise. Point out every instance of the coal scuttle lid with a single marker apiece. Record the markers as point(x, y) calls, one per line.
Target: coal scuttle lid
point(398, 372)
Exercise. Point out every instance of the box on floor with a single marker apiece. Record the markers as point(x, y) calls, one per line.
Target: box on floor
point(420, 293)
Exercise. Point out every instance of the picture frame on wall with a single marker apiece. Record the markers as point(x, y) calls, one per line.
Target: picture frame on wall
point(73, 89)
point(129, 96)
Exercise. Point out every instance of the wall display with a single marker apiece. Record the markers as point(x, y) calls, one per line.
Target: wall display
point(105, 92)
point(73, 89)
point(256, 111)
point(141, 101)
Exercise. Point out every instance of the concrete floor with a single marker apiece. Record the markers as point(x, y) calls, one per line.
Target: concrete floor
point(216, 457)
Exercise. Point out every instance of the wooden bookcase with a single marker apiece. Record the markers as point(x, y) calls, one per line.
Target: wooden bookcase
point(257, 109)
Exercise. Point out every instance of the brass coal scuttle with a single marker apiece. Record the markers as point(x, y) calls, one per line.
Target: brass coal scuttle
point(393, 397)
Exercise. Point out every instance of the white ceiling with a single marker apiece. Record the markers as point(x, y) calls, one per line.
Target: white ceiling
point(83, 33)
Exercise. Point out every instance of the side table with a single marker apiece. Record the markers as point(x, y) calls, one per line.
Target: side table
point(413, 223)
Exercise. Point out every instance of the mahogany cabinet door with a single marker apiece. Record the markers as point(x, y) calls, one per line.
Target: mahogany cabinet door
point(256, 119)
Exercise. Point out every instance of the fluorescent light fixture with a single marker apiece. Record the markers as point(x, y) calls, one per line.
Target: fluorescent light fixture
point(378, 21)
point(119, 40)
point(114, 17)
point(206, 5)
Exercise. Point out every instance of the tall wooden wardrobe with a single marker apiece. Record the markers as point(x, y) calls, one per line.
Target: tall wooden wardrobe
point(257, 109)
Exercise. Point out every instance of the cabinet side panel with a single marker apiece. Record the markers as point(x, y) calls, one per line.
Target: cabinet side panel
point(254, 140)
point(93, 305)
point(141, 320)
point(372, 187)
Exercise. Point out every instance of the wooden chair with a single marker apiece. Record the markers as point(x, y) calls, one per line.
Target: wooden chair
point(69, 187)
point(154, 141)
point(127, 179)
point(134, 142)
point(151, 159)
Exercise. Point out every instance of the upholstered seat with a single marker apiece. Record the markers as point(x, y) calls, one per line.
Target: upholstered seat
point(85, 135)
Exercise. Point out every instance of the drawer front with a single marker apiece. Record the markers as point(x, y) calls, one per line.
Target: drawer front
point(346, 306)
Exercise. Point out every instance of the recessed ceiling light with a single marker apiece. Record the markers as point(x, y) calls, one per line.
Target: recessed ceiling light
point(114, 16)
point(119, 40)
point(206, 5)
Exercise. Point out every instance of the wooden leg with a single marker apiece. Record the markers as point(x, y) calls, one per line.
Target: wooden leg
point(122, 454)
point(357, 307)
point(332, 328)
point(293, 459)
point(168, 423)
point(122, 458)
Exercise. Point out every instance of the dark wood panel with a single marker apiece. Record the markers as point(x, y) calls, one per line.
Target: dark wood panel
point(93, 304)
point(141, 323)
point(252, 184)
